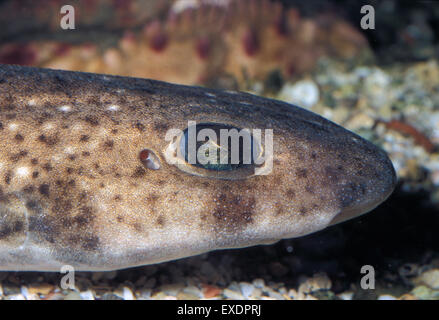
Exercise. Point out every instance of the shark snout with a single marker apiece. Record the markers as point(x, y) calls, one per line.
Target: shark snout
point(364, 191)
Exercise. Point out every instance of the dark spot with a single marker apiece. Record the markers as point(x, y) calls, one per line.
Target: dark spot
point(84, 138)
point(11, 116)
point(303, 211)
point(19, 137)
point(139, 126)
point(117, 197)
point(31, 205)
point(72, 157)
point(101, 185)
point(69, 170)
point(34, 161)
point(233, 212)
point(85, 153)
point(161, 221)
point(161, 126)
point(50, 141)
point(137, 226)
point(114, 131)
point(35, 174)
point(119, 219)
point(92, 120)
point(8, 177)
point(290, 193)
point(6, 230)
point(139, 172)
point(313, 155)
point(48, 167)
point(17, 156)
point(351, 193)
point(332, 174)
point(44, 189)
point(109, 144)
point(90, 243)
point(29, 189)
point(301, 173)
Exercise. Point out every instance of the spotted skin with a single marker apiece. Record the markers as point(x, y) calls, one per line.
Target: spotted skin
point(74, 188)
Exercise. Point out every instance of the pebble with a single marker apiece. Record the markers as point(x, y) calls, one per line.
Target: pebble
point(246, 289)
point(386, 297)
point(73, 295)
point(303, 93)
point(429, 278)
point(231, 294)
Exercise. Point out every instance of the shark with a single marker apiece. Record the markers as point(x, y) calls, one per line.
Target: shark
point(86, 177)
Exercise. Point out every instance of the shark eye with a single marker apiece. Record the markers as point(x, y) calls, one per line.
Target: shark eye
point(218, 151)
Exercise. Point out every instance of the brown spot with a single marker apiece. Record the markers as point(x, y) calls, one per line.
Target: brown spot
point(34, 161)
point(301, 173)
point(303, 211)
point(8, 177)
point(92, 120)
point(161, 126)
point(35, 174)
point(90, 243)
point(29, 189)
point(139, 126)
point(139, 172)
point(84, 138)
point(69, 170)
point(11, 116)
point(332, 174)
point(161, 221)
point(85, 153)
point(72, 157)
point(119, 219)
point(109, 144)
point(233, 212)
point(137, 226)
point(18, 137)
point(117, 197)
point(17, 156)
point(290, 193)
point(114, 131)
point(50, 141)
point(44, 189)
point(47, 166)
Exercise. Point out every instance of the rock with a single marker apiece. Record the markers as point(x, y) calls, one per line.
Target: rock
point(73, 295)
point(303, 93)
point(234, 295)
point(429, 278)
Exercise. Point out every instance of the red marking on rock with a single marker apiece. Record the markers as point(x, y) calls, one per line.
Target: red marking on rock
point(202, 47)
point(158, 40)
point(62, 49)
point(250, 42)
point(20, 54)
point(408, 129)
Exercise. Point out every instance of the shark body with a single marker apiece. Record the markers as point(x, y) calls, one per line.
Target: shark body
point(84, 179)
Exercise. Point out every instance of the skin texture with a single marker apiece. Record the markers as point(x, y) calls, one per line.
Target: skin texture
point(74, 188)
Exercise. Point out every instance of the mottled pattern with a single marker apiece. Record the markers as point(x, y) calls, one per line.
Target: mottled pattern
point(75, 188)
